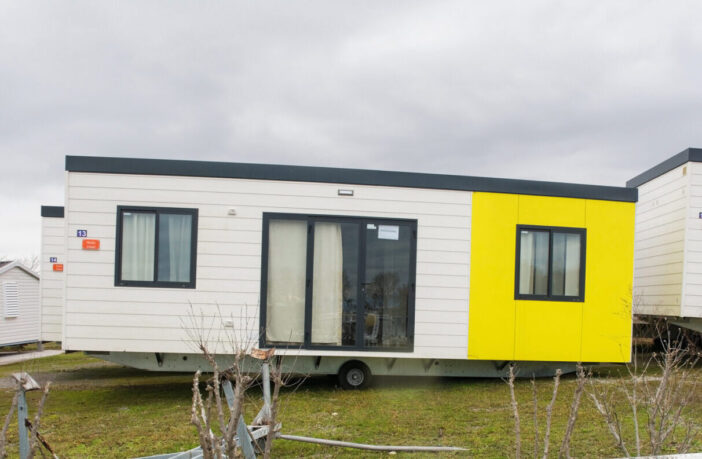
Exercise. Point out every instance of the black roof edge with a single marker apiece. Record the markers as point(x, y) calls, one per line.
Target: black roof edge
point(688, 155)
point(52, 211)
point(100, 164)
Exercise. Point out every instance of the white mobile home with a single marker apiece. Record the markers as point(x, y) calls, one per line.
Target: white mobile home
point(21, 315)
point(53, 252)
point(353, 271)
point(668, 245)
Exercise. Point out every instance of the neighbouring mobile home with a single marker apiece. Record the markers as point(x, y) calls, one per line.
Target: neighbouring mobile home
point(53, 252)
point(668, 255)
point(21, 317)
point(352, 271)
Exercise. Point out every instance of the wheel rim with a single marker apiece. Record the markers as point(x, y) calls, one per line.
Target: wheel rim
point(355, 377)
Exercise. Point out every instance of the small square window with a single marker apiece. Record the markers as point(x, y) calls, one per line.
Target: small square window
point(550, 263)
point(156, 247)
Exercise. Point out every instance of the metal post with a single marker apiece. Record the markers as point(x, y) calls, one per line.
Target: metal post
point(245, 439)
point(25, 383)
point(22, 427)
point(266, 377)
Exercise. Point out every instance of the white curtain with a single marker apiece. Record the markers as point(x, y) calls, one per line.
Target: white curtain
point(327, 287)
point(285, 299)
point(526, 263)
point(174, 247)
point(138, 236)
point(533, 263)
point(572, 265)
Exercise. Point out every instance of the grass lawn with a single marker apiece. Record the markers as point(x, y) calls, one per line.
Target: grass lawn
point(98, 409)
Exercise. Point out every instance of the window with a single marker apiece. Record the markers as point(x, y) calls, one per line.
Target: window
point(10, 296)
point(550, 263)
point(156, 247)
point(338, 282)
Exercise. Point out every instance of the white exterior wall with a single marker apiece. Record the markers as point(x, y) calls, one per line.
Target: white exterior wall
point(25, 327)
point(659, 247)
point(102, 317)
point(692, 292)
point(53, 244)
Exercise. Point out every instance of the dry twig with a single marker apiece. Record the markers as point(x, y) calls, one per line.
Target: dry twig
point(33, 434)
point(580, 385)
point(549, 411)
point(515, 413)
point(8, 419)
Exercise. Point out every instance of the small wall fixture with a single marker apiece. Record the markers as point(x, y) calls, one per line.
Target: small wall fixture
point(343, 192)
point(231, 212)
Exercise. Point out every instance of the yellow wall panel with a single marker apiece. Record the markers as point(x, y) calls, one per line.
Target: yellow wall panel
point(608, 282)
point(502, 328)
point(493, 242)
point(548, 330)
point(547, 211)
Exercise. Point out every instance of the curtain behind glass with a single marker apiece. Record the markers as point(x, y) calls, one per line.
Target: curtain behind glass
point(174, 243)
point(138, 236)
point(533, 262)
point(572, 267)
point(327, 287)
point(285, 299)
point(566, 264)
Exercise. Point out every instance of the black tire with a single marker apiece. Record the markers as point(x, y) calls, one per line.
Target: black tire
point(354, 375)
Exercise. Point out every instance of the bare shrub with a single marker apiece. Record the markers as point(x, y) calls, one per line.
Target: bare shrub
point(657, 404)
point(581, 378)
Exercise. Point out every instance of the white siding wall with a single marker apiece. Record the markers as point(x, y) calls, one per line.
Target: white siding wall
point(24, 327)
point(692, 299)
point(102, 317)
point(53, 243)
point(660, 243)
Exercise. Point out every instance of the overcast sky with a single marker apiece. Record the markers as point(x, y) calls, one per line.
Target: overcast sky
point(589, 92)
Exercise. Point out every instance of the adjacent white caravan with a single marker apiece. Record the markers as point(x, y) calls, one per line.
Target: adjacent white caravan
point(21, 316)
point(53, 252)
point(668, 245)
point(351, 271)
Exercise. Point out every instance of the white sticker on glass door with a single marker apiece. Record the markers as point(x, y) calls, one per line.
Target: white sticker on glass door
point(391, 232)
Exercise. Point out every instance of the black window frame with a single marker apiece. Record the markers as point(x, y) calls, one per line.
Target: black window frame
point(362, 222)
point(549, 296)
point(156, 211)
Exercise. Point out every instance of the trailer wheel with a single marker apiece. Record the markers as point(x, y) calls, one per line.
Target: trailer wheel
point(354, 375)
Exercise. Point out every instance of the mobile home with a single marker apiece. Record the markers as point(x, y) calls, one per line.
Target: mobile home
point(354, 272)
point(53, 240)
point(668, 255)
point(20, 322)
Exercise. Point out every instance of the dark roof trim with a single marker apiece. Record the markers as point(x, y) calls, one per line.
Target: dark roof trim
point(344, 176)
point(52, 211)
point(690, 155)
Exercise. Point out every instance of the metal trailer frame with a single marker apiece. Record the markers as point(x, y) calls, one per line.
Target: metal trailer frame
point(332, 365)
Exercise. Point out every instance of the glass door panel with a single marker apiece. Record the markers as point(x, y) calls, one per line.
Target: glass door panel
point(386, 284)
point(285, 298)
point(335, 283)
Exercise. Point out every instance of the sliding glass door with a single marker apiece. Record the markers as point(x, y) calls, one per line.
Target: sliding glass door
point(386, 284)
point(338, 282)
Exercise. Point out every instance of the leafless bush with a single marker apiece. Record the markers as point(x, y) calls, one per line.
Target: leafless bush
point(206, 332)
point(581, 378)
point(36, 440)
point(203, 409)
point(657, 404)
point(8, 419)
point(515, 413)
